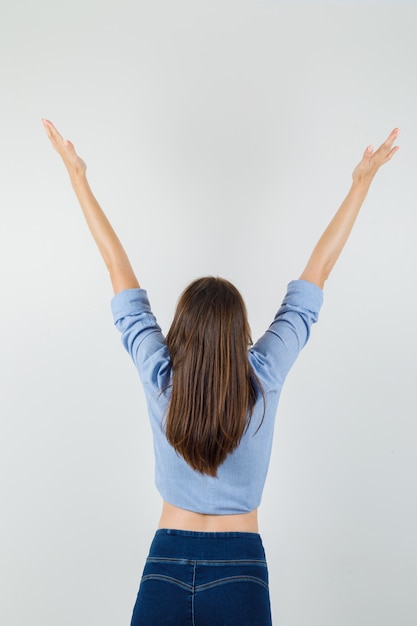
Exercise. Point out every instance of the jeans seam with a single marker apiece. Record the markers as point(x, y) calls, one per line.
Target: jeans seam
point(193, 594)
point(167, 579)
point(231, 579)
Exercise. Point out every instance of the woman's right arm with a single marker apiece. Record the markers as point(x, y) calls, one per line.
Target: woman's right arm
point(121, 273)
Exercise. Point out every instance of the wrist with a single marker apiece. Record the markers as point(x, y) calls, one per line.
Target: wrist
point(362, 184)
point(78, 177)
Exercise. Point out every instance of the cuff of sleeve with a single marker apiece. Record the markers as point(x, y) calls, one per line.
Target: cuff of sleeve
point(305, 294)
point(129, 302)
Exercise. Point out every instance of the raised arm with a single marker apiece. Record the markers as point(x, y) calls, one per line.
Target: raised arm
point(112, 251)
point(332, 241)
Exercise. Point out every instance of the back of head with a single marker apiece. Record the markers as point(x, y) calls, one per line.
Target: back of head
point(213, 386)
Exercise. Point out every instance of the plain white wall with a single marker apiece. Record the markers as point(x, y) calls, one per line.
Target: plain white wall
point(220, 138)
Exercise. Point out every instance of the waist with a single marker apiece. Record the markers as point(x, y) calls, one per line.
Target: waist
point(186, 545)
point(173, 517)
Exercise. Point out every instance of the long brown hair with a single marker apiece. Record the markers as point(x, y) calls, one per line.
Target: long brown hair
point(214, 388)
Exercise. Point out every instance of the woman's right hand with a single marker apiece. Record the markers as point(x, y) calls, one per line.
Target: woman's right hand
point(74, 164)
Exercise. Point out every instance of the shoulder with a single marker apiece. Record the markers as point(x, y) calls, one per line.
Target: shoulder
point(141, 335)
point(276, 350)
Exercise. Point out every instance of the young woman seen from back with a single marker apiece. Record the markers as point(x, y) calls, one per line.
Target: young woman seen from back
point(212, 398)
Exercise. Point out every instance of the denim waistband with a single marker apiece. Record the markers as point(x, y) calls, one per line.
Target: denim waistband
point(180, 544)
point(206, 535)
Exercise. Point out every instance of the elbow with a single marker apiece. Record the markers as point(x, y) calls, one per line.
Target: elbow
point(316, 275)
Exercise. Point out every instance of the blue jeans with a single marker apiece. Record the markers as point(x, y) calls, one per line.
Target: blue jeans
point(204, 579)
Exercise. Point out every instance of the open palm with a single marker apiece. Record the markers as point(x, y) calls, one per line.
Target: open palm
point(66, 150)
point(372, 160)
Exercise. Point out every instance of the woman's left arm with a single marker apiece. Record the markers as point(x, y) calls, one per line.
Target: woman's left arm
point(332, 241)
point(121, 273)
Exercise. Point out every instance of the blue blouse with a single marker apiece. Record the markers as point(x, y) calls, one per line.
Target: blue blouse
point(241, 478)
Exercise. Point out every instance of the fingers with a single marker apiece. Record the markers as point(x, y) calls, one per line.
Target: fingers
point(392, 152)
point(389, 142)
point(51, 130)
point(392, 137)
point(47, 128)
point(386, 150)
point(56, 138)
point(54, 135)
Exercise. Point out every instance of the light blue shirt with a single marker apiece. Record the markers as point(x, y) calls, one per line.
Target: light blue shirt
point(241, 478)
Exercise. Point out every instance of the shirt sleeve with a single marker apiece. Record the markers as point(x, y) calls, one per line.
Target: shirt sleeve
point(275, 352)
point(141, 336)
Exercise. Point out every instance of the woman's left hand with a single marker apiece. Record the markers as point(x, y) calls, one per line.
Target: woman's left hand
point(372, 160)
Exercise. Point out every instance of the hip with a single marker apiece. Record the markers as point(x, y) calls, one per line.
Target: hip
point(204, 578)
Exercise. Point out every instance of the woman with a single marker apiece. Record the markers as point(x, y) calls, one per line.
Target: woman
point(212, 403)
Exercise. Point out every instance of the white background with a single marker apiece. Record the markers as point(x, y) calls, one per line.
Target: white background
point(220, 139)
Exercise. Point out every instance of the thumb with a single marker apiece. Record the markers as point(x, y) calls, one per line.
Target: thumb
point(368, 152)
